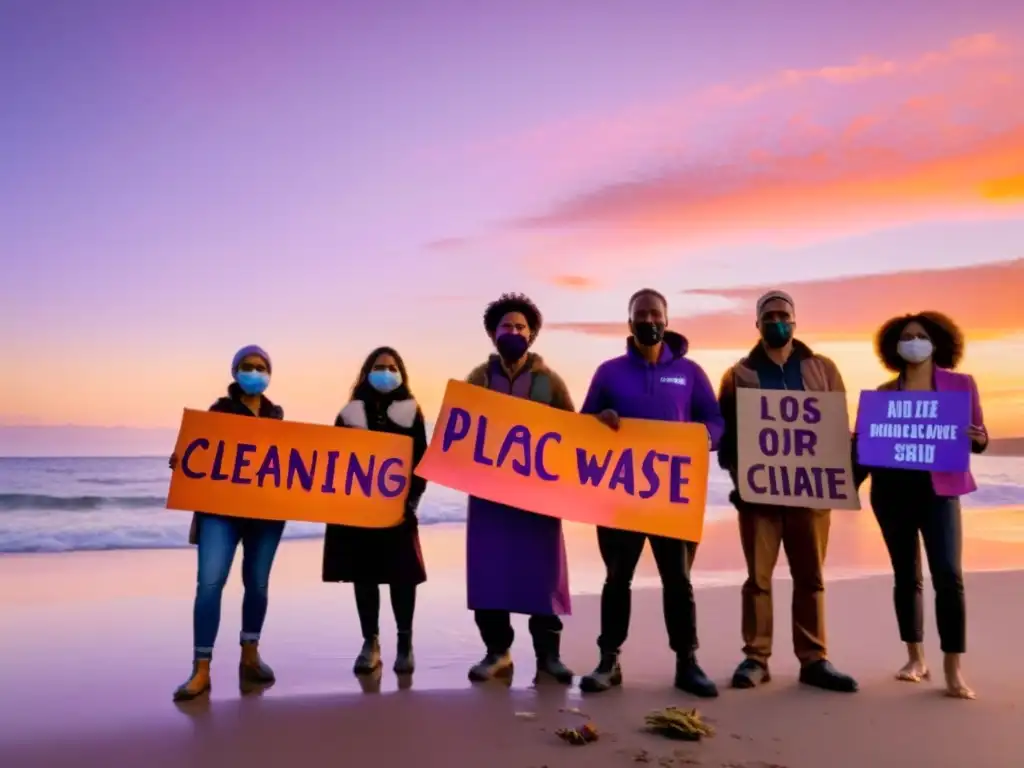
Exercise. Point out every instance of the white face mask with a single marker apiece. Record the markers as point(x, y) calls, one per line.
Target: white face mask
point(915, 350)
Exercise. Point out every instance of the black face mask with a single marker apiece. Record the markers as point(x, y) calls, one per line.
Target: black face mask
point(777, 334)
point(648, 334)
point(511, 347)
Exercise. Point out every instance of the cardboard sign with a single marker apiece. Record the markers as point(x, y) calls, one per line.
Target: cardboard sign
point(794, 449)
point(914, 430)
point(284, 470)
point(649, 476)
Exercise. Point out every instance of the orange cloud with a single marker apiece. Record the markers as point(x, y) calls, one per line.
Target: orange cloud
point(984, 300)
point(575, 282)
point(1011, 188)
point(830, 190)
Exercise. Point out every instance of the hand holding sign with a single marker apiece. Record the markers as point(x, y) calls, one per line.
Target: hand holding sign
point(274, 470)
point(609, 418)
point(648, 476)
point(915, 430)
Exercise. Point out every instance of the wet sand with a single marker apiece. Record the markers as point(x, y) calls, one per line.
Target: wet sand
point(94, 644)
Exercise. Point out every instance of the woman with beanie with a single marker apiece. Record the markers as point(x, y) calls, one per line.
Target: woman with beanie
point(368, 557)
point(217, 538)
point(912, 505)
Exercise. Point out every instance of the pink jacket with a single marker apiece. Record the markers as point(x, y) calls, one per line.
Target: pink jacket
point(953, 483)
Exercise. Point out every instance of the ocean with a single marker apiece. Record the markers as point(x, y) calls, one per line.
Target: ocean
point(67, 504)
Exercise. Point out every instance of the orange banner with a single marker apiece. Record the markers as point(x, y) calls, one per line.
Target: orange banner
point(284, 470)
point(650, 476)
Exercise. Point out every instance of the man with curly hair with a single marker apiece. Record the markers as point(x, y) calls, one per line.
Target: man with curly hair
point(779, 361)
point(654, 380)
point(515, 560)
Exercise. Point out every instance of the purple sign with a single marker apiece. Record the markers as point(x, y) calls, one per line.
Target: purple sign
point(914, 430)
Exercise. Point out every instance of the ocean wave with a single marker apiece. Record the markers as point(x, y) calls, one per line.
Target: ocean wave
point(31, 501)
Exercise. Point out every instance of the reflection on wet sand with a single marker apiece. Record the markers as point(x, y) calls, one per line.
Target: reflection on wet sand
point(103, 638)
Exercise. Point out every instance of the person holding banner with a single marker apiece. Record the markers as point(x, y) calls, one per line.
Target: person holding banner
point(367, 557)
point(217, 537)
point(515, 560)
point(654, 380)
point(923, 349)
point(780, 362)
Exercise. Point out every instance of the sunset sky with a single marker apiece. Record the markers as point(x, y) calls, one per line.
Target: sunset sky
point(319, 177)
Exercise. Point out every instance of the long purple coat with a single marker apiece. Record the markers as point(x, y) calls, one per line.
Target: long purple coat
point(515, 560)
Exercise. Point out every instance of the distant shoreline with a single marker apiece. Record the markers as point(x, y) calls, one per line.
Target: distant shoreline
point(1004, 447)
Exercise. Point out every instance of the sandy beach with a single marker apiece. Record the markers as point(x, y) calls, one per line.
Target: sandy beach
point(96, 642)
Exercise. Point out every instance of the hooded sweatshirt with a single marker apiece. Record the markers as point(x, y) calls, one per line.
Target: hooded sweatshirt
point(673, 389)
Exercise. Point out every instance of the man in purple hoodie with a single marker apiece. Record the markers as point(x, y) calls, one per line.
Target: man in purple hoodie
point(653, 380)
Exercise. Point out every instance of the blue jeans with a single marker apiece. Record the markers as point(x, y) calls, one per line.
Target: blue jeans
point(218, 539)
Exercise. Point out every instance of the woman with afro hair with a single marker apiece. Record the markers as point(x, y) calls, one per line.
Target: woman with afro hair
point(515, 560)
point(923, 350)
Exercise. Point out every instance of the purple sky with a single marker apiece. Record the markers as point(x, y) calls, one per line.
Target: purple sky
point(180, 178)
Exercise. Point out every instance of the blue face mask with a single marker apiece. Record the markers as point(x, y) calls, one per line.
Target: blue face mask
point(253, 382)
point(384, 381)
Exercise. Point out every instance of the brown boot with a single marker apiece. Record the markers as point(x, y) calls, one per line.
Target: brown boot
point(197, 685)
point(251, 669)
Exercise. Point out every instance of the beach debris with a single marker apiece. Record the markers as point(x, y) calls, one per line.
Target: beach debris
point(676, 723)
point(585, 734)
point(526, 715)
point(574, 711)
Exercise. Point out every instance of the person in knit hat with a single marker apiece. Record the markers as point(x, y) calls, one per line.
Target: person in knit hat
point(217, 538)
point(779, 361)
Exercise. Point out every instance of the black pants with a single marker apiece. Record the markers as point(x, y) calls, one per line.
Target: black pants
point(621, 552)
point(497, 633)
point(403, 603)
point(907, 509)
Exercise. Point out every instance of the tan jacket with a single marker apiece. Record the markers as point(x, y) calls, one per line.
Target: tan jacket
point(819, 374)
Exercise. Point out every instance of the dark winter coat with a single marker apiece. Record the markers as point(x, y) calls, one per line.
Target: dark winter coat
point(381, 555)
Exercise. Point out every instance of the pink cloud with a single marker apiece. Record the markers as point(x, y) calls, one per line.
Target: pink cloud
point(938, 150)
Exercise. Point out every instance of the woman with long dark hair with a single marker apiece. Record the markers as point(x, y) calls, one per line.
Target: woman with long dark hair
point(368, 557)
point(923, 350)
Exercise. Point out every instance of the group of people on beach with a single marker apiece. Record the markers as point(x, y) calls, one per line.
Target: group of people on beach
point(516, 560)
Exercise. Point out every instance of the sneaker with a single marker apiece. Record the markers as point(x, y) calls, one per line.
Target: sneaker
point(607, 674)
point(750, 674)
point(490, 666)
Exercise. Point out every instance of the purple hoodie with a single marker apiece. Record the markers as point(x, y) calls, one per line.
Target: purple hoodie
point(673, 389)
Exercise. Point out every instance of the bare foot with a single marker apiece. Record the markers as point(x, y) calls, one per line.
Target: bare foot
point(956, 688)
point(914, 671)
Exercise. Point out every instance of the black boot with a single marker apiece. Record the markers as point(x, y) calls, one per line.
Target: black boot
point(368, 659)
point(491, 666)
point(607, 674)
point(549, 660)
point(405, 662)
point(691, 678)
point(821, 674)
